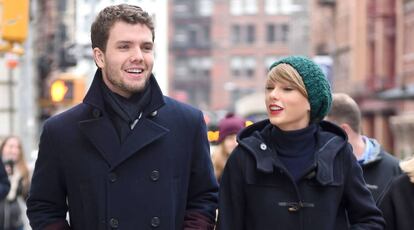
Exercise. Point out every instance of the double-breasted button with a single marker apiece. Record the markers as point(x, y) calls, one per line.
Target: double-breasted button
point(112, 177)
point(154, 113)
point(155, 175)
point(114, 223)
point(155, 221)
point(263, 146)
point(96, 113)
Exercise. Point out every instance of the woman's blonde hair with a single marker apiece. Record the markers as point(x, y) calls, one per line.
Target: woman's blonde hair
point(285, 72)
point(407, 166)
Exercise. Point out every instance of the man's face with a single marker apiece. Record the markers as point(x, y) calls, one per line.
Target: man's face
point(128, 60)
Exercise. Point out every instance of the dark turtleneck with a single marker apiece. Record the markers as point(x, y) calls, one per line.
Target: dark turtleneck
point(124, 112)
point(295, 149)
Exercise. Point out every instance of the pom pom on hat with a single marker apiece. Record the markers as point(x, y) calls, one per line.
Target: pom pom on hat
point(316, 84)
point(229, 125)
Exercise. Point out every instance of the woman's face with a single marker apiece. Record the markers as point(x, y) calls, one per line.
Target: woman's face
point(11, 149)
point(286, 107)
point(229, 143)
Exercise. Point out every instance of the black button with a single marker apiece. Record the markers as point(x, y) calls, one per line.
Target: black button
point(155, 221)
point(96, 113)
point(114, 223)
point(155, 175)
point(112, 177)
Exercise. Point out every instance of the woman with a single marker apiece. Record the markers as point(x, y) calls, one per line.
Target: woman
point(228, 129)
point(398, 203)
point(15, 164)
point(293, 170)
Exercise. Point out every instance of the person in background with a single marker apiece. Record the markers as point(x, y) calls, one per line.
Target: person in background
point(4, 182)
point(378, 166)
point(228, 128)
point(11, 212)
point(127, 157)
point(294, 170)
point(398, 203)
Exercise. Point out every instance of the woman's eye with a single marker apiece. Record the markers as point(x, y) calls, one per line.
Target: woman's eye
point(288, 88)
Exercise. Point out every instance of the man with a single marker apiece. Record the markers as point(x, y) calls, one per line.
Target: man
point(379, 167)
point(127, 157)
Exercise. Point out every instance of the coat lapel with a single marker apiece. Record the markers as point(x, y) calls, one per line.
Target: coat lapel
point(144, 133)
point(103, 136)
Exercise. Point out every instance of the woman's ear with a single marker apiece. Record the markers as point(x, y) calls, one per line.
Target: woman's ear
point(98, 56)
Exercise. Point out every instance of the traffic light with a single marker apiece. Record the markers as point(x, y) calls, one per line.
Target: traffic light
point(68, 89)
point(14, 20)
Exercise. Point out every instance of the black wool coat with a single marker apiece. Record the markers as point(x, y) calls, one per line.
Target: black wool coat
point(398, 204)
point(257, 192)
point(160, 177)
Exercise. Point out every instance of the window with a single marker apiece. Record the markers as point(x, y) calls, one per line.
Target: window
point(277, 33)
point(180, 36)
point(243, 34)
point(242, 67)
point(274, 7)
point(235, 34)
point(205, 7)
point(241, 7)
point(284, 33)
point(251, 34)
point(270, 33)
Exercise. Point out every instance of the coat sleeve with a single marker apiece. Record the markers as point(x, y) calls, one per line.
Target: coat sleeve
point(231, 200)
point(203, 188)
point(360, 205)
point(46, 204)
point(4, 182)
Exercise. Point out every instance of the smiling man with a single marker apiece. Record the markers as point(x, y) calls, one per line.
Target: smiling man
point(128, 157)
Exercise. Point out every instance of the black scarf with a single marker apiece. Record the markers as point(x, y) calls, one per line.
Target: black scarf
point(125, 112)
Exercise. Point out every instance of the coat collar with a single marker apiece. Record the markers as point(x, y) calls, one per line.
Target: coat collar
point(94, 95)
point(329, 145)
point(100, 131)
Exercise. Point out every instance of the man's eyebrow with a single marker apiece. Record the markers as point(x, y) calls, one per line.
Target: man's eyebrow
point(123, 42)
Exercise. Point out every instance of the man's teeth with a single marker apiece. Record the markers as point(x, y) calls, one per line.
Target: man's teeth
point(134, 70)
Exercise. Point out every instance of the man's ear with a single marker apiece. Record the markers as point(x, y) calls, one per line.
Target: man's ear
point(346, 128)
point(98, 56)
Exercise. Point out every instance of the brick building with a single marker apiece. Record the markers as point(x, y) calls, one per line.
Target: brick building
point(220, 50)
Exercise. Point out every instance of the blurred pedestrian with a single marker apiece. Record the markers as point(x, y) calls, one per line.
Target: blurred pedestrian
point(228, 128)
point(378, 166)
point(398, 203)
point(128, 157)
point(4, 182)
point(11, 208)
point(293, 170)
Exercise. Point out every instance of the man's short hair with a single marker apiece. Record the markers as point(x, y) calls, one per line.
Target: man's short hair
point(110, 15)
point(344, 109)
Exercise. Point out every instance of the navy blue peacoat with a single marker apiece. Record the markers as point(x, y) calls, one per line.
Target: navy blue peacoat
point(258, 192)
point(160, 177)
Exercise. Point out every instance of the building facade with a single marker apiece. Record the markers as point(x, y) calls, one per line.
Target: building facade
point(223, 52)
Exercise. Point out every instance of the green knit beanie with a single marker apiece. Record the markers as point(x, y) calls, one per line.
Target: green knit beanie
point(316, 84)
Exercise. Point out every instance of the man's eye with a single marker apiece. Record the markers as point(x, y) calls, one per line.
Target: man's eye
point(148, 48)
point(123, 47)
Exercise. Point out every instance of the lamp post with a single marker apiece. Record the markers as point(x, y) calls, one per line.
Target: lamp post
point(12, 62)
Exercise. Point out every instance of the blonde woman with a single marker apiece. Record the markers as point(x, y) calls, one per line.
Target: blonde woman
point(293, 170)
point(16, 167)
point(398, 203)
